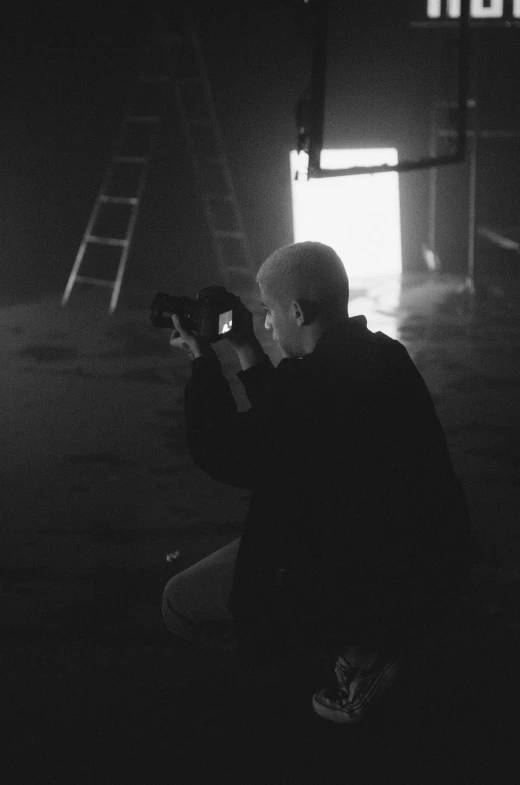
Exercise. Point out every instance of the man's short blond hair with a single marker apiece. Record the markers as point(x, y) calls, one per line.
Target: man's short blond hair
point(310, 272)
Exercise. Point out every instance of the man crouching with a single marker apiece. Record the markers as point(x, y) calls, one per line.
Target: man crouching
point(357, 538)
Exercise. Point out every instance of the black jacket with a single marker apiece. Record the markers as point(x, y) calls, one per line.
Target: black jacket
point(357, 530)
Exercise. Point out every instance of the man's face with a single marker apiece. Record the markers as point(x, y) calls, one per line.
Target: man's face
point(282, 326)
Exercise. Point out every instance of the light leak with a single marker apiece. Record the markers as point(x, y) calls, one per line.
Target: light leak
point(358, 215)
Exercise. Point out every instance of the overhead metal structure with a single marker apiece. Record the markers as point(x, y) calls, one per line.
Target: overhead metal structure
point(311, 105)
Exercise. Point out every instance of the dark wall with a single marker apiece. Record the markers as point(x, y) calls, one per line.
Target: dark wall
point(65, 76)
point(495, 83)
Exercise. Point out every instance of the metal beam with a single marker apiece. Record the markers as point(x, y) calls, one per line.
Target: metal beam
point(312, 139)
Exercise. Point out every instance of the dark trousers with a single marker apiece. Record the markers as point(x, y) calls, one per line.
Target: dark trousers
point(195, 607)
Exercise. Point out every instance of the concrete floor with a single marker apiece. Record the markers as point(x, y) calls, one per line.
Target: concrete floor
point(98, 488)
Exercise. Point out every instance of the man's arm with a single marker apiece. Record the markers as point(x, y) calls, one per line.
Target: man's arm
point(250, 354)
point(225, 443)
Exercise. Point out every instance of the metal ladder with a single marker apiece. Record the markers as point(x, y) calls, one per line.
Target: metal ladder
point(183, 65)
point(210, 165)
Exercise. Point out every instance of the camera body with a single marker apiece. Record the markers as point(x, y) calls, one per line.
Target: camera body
point(210, 316)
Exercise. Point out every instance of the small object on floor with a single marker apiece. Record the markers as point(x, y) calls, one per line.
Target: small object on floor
point(357, 689)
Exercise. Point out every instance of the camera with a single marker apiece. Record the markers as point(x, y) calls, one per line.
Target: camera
point(210, 316)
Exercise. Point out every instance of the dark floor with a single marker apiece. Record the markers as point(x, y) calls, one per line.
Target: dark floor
point(97, 489)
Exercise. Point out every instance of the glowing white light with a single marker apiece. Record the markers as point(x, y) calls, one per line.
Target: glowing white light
point(434, 8)
point(479, 9)
point(225, 322)
point(358, 215)
point(302, 165)
point(487, 10)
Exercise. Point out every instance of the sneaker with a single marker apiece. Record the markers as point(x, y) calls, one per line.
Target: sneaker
point(357, 689)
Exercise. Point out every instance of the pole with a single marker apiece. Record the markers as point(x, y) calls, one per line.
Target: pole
point(433, 181)
point(319, 11)
point(470, 280)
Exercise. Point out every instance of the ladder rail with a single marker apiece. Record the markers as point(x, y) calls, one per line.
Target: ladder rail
point(221, 158)
point(107, 176)
point(219, 138)
point(88, 231)
point(196, 165)
point(130, 230)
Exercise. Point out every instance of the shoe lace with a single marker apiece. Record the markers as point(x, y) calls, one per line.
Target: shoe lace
point(346, 675)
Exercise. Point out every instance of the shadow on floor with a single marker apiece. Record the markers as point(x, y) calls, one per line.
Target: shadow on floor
point(148, 709)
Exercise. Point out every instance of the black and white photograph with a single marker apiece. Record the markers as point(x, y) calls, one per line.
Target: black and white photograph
point(260, 392)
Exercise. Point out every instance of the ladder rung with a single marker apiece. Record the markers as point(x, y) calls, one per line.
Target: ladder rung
point(131, 159)
point(150, 118)
point(234, 269)
point(155, 79)
point(215, 197)
point(92, 238)
point(470, 103)
point(119, 199)
point(97, 281)
point(226, 233)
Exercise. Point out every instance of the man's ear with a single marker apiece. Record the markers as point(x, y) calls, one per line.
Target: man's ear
point(308, 311)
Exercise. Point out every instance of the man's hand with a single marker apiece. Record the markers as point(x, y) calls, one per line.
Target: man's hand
point(192, 344)
point(242, 337)
point(242, 334)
